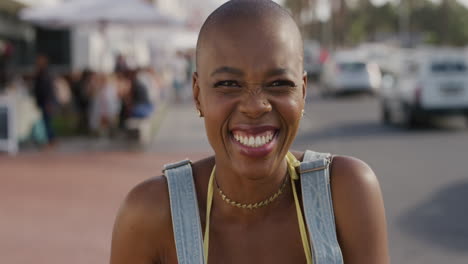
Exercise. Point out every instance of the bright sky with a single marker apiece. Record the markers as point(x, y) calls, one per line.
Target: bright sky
point(380, 2)
point(324, 6)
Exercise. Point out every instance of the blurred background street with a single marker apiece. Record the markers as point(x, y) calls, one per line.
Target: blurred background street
point(95, 96)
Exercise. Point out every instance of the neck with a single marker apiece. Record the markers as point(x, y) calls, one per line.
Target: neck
point(249, 189)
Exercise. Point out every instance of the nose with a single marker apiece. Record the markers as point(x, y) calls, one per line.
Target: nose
point(254, 105)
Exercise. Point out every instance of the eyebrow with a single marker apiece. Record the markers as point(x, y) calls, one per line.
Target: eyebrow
point(278, 71)
point(235, 71)
point(227, 69)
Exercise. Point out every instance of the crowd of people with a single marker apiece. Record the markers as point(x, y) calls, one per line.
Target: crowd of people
point(106, 101)
point(90, 103)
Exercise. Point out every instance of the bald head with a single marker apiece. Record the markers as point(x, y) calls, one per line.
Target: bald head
point(253, 17)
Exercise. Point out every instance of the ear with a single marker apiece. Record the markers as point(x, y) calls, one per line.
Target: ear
point(196, 90)
point(304, 85)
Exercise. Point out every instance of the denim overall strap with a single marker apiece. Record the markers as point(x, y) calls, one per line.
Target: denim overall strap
point(185, 214)
point(318, 208)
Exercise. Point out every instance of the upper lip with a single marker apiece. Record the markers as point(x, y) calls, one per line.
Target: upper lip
point(253, 129)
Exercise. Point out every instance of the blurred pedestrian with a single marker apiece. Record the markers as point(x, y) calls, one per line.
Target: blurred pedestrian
point(124, 92)
point(179, 73)
point(6, 51)
point(44, 93)
point(82, 92)
point(105, 104)
point(147, 76)
point(121, 65)
point(141, 104)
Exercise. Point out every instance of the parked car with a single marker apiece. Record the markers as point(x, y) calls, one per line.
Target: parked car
point(312, 62)
point(426, 85)
point(344, 75)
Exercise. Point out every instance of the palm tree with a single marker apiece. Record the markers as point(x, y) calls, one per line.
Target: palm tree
point(302, 8)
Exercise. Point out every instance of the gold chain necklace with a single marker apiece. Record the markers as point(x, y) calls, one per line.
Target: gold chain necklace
point(252, 206)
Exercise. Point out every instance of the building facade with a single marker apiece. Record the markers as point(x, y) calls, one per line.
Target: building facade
point(16, 38)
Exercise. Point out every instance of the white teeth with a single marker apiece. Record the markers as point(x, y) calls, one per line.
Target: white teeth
point(252, 141)
point(258, 141)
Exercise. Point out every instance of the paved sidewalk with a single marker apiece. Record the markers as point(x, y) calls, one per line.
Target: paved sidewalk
point(178, 129)
point(181, 131)
point(59, 207)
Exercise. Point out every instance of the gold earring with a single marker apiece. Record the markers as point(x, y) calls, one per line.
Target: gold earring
point(302, 113)
point(199, 113)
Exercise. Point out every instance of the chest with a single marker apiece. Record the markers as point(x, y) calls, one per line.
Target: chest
point(273, 240)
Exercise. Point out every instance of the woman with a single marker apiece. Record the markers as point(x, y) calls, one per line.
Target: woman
point(254, 202)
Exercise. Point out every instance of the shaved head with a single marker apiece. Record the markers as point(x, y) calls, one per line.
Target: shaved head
point(250, 74)
point(254, 16)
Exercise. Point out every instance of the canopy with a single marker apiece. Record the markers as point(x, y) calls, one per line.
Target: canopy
point(136, 12)
point(94, 12)
point(58, 15)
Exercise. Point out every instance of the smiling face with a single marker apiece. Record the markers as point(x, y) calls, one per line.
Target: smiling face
point(250, 88)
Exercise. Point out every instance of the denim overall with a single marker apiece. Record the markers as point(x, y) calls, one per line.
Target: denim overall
point(316, 199)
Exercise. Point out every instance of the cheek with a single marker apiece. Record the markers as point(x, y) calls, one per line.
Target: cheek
point(290, 111)
point(216, 108)
point(216, 111)
point(213, 127)
point(290, 108)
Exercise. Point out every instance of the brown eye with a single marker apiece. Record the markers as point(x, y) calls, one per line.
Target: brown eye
point(227, 83)
point(282, 83)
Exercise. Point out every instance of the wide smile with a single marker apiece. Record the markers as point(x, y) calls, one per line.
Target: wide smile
point(256, 142)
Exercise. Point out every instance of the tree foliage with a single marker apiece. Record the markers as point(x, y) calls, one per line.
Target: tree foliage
point(443, 23)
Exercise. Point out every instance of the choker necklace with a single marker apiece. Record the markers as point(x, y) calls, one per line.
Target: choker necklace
point(252, 206)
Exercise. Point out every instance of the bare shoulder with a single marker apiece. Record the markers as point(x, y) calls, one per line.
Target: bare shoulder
point(359, 211)
point(148, 200)
point(143, 226)
point(346, 171)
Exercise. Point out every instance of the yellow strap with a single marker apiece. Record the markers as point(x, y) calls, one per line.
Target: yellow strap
point(292, 164)
point(209, 202)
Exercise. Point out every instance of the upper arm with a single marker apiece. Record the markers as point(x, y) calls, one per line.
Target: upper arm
point(141, 226)
point(359, 212)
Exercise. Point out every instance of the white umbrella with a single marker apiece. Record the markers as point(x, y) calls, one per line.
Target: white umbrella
point(99, 14)
point(60, 15)
point(95, 12)
point(128, 12)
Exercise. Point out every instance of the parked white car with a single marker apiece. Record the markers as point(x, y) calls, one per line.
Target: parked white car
point(426, 84)
point(312, 63)
point(344, 75)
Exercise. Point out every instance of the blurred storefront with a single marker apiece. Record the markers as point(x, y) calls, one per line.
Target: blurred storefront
point(56, 44)
point(16, 39)
point(21, 41)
